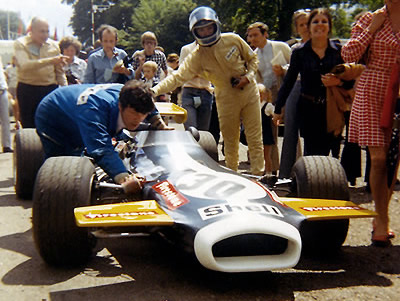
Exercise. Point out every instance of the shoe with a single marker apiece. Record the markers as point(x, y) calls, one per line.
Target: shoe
point(390, 233)
point(7, 150)
point(381, 241)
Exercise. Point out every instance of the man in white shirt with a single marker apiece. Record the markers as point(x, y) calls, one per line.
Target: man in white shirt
point(274, 58)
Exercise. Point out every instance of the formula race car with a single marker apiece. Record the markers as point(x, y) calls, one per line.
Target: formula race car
point(231, 222)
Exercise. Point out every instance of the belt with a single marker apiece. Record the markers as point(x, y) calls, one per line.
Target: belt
point(316, 100)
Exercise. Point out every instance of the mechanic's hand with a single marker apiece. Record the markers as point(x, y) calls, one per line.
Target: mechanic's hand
point(132, 184)
point(330, 80)
point(277, 119)
point(278, 70)
point(243, 82)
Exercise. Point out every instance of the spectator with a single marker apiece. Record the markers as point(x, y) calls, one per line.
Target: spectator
point(229, 63)
point(291, 148)
point(4, 114)
point(172, 62)
point(11, 77)
point(149, 71)
point(88, 116)
point(197, 97)
point(102, 64)
point(376, 34)
point(274, 57)
point(314, 60)
point(39, 69)
point(267, 111)
point(150, 79)
point(173, 65)
point(149, 53)
point(76, 67)
point(271, 73)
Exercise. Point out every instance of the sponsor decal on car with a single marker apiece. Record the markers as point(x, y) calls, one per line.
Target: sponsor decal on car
point(171, 196)
point(328, 208)
point(119, 214)
point(224, 209)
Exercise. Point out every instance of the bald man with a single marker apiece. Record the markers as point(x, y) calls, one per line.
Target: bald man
point(39, 69)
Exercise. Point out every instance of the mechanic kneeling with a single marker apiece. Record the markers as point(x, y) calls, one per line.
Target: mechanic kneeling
point(76, 117)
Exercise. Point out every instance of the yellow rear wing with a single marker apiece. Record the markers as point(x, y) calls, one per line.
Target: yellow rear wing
point(322, 209)
point(142, 213)
point(170, 109)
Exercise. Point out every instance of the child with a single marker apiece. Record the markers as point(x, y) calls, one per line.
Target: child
point(149, 72)
point(267, 110)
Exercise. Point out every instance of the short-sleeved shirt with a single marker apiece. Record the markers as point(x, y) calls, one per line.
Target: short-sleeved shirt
point(158, 57)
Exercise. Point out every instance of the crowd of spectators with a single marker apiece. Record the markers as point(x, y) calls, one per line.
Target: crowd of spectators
point(229, 85)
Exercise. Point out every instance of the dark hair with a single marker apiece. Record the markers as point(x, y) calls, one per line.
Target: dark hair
point(320, 11)
point(108, 28)
point(65, 42)
point(136, 94)
point(261, 26)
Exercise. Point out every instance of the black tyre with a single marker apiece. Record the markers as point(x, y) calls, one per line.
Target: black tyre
point(195, 133)
point(207, 142)
point(28, 157)
point(63, 183)
point(321, 177)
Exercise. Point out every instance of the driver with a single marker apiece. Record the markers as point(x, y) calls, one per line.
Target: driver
point(228, 62)
point(76, 117)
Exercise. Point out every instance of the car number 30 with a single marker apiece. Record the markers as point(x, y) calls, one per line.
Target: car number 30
point(218, 185)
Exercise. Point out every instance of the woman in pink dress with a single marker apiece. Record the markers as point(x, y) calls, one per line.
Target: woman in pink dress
point(379, 34)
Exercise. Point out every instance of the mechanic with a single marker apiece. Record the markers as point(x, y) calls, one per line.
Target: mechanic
point(78, 117)
point(228, 62)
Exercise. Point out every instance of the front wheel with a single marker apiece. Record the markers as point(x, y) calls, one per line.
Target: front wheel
point(323, 178)
point(63, 183)
point(207, 142)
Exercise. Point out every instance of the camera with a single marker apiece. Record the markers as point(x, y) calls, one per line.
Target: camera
point(235, 81)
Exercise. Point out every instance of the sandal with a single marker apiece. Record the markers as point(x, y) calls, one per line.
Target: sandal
point(382, 241)
point(390, 233)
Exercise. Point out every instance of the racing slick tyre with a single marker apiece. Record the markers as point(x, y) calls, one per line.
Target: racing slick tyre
point(27, 159)
point(195, 133)
point(207, 142)
point(323, 178)
point(63, 183)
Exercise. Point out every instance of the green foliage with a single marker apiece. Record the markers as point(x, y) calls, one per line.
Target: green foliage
point(341, 23)
point(168, 19)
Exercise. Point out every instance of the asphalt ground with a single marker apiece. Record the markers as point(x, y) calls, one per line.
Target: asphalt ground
point(146, 268)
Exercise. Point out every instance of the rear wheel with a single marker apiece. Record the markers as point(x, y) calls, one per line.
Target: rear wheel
point(28, 157)
point(63, 183)
point(324, 178)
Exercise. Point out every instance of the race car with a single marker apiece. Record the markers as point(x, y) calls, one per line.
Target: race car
point(231, 222)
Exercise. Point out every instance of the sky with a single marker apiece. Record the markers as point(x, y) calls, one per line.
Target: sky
point(58, 15)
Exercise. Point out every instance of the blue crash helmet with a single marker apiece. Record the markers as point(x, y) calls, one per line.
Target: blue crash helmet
point(203, 16)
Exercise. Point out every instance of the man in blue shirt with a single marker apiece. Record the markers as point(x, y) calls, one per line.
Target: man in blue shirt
point(76, 117)
point(102, 64)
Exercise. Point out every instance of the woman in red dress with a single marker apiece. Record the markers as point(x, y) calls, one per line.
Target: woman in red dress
point(377, 33)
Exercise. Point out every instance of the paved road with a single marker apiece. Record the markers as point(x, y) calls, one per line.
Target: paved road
point(145, 268)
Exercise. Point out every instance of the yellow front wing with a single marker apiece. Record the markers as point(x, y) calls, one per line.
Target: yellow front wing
point(321, 209)
point(170, 109)
point(143, 213)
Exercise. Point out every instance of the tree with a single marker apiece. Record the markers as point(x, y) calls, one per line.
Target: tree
point(168, 19)
point(118, 14)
